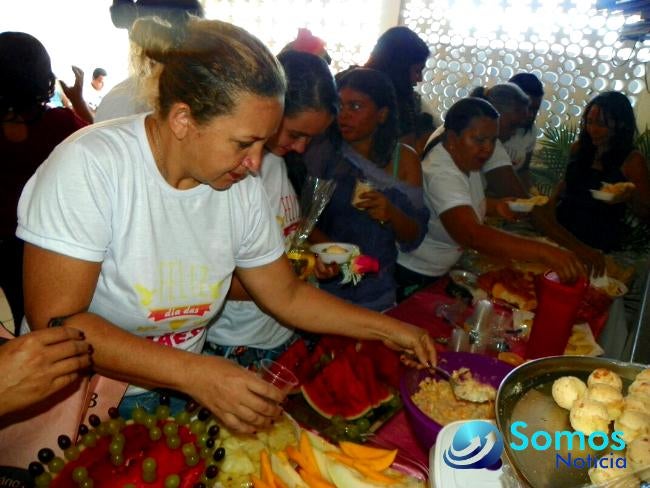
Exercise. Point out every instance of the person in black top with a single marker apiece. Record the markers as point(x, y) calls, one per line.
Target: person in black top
point(603, 153)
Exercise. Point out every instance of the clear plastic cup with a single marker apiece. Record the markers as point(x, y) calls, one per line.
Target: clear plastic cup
point(278, 375)
point(459, 340)
point(361, 186)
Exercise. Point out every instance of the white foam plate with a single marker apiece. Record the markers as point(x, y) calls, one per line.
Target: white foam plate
point(602, 195)
point(443, 476)
point(339, 258)
point(520, 207)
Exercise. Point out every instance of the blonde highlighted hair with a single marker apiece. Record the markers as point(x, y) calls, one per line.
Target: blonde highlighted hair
point(206, 64)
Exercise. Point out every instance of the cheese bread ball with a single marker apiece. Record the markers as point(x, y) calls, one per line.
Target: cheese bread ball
point(605, 476)
point(643, 375)
point(638, 403)
point(589, 416)
point(632, 424)
point(608, 396)
point(638, 454)
point(566, 390)
point(639, 387)
point(602, 375)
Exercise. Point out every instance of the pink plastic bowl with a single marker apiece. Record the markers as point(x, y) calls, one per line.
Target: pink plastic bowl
point(484, 368)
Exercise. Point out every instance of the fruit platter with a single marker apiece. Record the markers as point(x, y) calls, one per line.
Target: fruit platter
point(347, 388)
point(191, 450)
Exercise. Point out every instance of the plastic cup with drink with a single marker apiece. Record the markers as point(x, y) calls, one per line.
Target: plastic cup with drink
point(278, 375)
point(360, 187)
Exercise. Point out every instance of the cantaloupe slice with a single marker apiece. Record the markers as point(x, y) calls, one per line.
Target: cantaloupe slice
point(374, 458)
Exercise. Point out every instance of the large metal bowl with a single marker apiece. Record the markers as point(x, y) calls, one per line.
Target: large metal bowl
point(525, 395)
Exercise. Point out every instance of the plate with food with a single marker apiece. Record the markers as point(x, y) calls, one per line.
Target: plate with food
point(334, 252)
point(611, 286)
point(525, 205)
point(609, 191)
point(569, 398)
point(431, 402)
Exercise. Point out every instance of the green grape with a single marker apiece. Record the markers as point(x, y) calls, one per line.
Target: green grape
point(197, 427)
point(203, 439)
point(189, 449)
point(89, 483)
point(363, 424)
point(119, 437)
point(352, 432)
point(89, 439)
point(170, 428)
point(102, 429)
point(183, 417)
point(150, 421)
point(138, 415)
point(155, 433)
point(395, 402)
point(43, 480)
point(337, 420)
point(206, 452)
point(163, 412)
point(192, 460)
point(149, 474)
point(79, 474)
point(114, 426)
point(172, 481)
point(116, 447)
point(129, 485)
point(71, 453)
point(173, 441)
point(117, 459)
point(56, 465)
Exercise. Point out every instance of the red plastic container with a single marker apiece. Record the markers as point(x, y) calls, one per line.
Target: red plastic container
point(557, 307)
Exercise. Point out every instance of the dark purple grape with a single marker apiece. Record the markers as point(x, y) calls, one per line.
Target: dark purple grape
point(213, 431)
point(45, 455)
point(164, 399)
point(191, 405)
point(199, 485)
point(83, 429)
point(204, 414)
point(94, 420)
point(219, 454)
point(64, 441)
point(35, 469)
point(113, 412)
point(211, 471)
point(210, 443)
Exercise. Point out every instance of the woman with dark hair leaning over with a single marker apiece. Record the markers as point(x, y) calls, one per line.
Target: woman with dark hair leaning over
point(454, 194)
point(134, 228)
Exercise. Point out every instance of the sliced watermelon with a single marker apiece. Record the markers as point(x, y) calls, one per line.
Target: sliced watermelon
point(337, 391)
point(365, 370)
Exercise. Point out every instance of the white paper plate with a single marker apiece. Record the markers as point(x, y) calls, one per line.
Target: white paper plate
point(520, 207)
point(329, 258)
point(602, 195)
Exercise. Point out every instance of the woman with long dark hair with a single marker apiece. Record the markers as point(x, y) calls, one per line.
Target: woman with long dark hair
point(366, 147)
point(603, 153)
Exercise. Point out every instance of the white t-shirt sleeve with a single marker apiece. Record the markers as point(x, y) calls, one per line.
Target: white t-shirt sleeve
point(66, 205)
point(499, 159)
point(261, 242)
point(445, 185)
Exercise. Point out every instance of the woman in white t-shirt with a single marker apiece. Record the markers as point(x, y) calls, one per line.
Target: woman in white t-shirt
point(243, 332)
point(454, 195)
point(134, 228)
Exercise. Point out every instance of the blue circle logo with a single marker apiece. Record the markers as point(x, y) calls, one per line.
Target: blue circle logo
point(476, 444)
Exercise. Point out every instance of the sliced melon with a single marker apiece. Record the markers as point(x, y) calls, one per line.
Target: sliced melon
point(344, 477)
point(286, 473)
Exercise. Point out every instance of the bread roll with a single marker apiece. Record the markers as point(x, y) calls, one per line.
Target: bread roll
point(589, 416)
point(567, 390)
point(602, 375)
point(605, 476)
point(643, 375)
point(638, 455)
point(632, 424)
point(638, 403)
point(608, 396)
point(639, 387)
